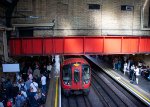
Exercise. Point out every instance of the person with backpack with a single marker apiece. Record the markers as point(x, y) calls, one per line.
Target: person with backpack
point(23, 86)
point(34, 87)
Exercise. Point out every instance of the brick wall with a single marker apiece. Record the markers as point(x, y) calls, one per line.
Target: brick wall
point(73, 17)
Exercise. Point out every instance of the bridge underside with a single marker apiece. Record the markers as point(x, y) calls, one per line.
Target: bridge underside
point(79, 45)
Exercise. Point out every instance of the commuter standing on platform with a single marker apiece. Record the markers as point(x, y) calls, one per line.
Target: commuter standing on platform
point(36, 72)
point(49, 68)
point(125, 67)
point(34, 87)
point(20, 100)
point(129, 64)
point(113, 63)
point(30, 76)
point(132, 75)
point(27, 83)
point(137, 74)
point(43, 81)
point(29, 70)
point(116, 64)
point(119, 65)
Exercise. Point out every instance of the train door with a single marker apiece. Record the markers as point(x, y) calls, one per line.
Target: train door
point(76, 76)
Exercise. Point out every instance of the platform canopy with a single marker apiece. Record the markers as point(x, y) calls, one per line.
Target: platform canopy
point(79, 45)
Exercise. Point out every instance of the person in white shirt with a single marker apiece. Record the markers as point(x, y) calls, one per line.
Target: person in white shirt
point(125, 67)
point(34, 86)
point(43, 81)
point(49, 68)
point(137, 73)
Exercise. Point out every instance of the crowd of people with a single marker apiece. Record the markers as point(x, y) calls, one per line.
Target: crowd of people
point(133, 68)
point(28, 88)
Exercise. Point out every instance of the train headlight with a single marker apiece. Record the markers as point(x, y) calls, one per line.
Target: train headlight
point(86, 81)
point(67, 82)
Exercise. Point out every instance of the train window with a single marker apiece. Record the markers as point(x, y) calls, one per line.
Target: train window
point(85, 73)
point(76, 75)
point(66, 73)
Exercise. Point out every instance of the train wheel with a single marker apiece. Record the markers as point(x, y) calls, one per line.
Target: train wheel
point(86, 91)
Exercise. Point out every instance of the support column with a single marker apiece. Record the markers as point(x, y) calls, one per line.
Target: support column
point(5, 47)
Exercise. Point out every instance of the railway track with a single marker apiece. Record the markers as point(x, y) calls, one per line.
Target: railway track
point(75, 101)
point(111, 97)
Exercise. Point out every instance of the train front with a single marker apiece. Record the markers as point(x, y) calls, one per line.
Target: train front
point(75, 76)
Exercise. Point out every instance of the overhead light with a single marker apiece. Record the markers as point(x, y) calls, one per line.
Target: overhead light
point(147, 54)
point(133, 54)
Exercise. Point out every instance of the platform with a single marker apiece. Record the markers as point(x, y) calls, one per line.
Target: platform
point(54, 93)
point(142, 90)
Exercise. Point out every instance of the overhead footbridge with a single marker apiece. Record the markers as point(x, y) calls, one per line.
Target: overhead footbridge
point(79, 45)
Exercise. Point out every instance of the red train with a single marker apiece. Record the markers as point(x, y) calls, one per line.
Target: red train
point(75, 76)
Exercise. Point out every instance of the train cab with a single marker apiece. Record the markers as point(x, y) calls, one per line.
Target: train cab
point(75, 76)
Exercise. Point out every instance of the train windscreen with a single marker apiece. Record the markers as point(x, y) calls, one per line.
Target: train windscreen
point(66, 74)
point(76, 75)
point(86, 73)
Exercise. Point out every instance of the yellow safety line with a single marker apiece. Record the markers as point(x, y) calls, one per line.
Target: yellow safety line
point(137, 92)
point(56, 94)
point(129, 86)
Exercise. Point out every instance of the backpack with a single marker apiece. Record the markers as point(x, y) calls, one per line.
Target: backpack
point(22, 88)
